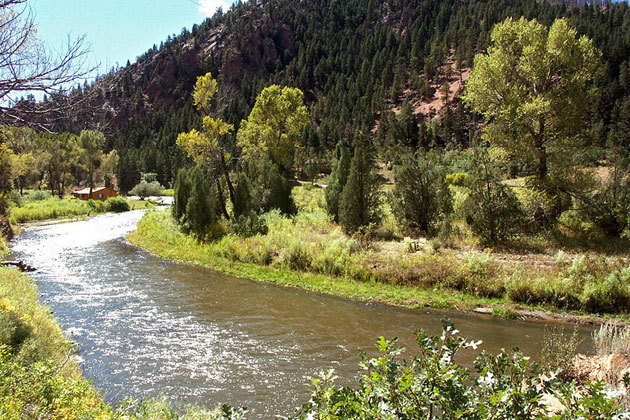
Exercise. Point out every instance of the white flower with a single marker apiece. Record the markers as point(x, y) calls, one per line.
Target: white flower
point(487, 381)
point(613, 394)
point(474, 344)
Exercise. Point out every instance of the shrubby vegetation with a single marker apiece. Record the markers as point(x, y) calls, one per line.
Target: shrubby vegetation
point(56, 208)
point(431, 384)
point(148, 187)
point(421, 198)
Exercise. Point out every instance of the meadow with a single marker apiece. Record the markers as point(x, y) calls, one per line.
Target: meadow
point(35, 209)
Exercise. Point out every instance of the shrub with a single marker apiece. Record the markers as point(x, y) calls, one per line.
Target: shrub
point(16, 198)
point(13, 330)
point(421, 197)
point(541, 207)
point(181, 195)
point(558, 350)
point(459, 179)
point(118, 204)
point(582, 229)
point(147, 189)
point(491, 211)
point(432, 385)
point(278, 194)
point(39, 195)
point(246, 225)
point(242, 197)
point(201, 208)
point(608, 205)
point(609, 296)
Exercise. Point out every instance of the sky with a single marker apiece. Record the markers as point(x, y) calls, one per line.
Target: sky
point(118, 30)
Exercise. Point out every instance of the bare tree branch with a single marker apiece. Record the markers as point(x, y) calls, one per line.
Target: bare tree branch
point(28, 66)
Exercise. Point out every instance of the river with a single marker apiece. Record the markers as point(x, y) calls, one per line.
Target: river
point(148, 327)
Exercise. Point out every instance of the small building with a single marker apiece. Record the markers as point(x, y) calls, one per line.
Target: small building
point(98, 193)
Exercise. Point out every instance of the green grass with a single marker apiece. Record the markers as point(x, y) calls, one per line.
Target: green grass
point(4, 247)
point(310, 253)
point(56, 208)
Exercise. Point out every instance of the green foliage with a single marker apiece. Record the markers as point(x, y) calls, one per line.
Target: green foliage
point(149, 177)
point(246, 225)
point(491, 210)
point(13, 330)
point(608, 204)
point(274, 125)
point(338, 181)
point(532, 87)
point(558, 350)
point(117, 205)
point(242, 197)
point(147, 189)
point(360, 203)
point(39, 195)
point(279, 193)
point(432, 385)
point(420, 198)
point(55, 208)
point(458, 179)
point(593, 285)
point(181, 194)
point(201, 207)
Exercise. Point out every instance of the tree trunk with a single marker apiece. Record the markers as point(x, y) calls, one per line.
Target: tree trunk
point(227, 179)
point(222, 200)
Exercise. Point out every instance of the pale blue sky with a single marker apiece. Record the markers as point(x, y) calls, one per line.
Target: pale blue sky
point(118, 30)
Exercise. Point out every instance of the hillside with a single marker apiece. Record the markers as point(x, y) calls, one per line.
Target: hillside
point(358, 62)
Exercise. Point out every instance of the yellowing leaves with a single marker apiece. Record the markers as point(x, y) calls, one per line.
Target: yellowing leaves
point(274, 124)
point(205, 89)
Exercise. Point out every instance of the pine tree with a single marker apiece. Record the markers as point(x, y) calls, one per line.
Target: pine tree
point(360, 203)
point(421, 197)
point(339, 179)
point(201, 209)
point(182, 194)
point(242, 196)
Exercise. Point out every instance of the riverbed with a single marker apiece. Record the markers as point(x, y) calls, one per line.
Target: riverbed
point(148, 327)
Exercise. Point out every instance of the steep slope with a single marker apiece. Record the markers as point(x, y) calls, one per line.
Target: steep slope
point(356, 61)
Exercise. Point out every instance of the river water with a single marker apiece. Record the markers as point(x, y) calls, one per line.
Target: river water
point(148, 327)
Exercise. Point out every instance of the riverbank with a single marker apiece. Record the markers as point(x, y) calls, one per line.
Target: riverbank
point(58, 209)
point(309, 252)
point(39, 378)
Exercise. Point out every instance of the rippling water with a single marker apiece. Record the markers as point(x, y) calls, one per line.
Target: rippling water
point(147, 327)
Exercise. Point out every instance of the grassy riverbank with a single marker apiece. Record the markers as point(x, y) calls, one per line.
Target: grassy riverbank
point(310, 252)
point(38, 378)
point(56, 208)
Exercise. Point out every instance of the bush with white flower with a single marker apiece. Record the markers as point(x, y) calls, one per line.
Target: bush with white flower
point(432, 385)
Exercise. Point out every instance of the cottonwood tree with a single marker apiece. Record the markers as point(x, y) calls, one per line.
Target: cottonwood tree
point(205, 146)
point(274, 126)
point(532, 87)
point(91, 143)
point(27, 66)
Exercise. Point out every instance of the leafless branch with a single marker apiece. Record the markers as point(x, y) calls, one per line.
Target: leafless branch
point(28, 66)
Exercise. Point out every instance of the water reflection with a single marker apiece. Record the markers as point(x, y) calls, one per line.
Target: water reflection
point(147, 326)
